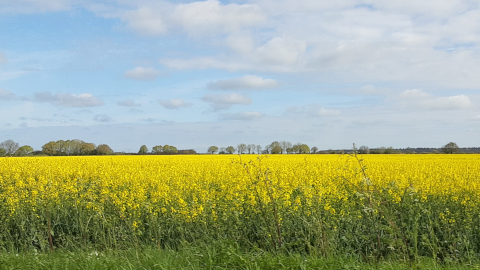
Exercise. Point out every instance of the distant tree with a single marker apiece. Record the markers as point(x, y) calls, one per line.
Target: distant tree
point(230, 149)
point(212, 149)
point(61, 148)
point(157, 149)
point(259, 149)
point(314, 150)
point(251, 148)
point(9, 146)
point(87, 148)
point(276, 150)
point(296, 148)
point(50, 148)
point(104, 149)
point(143, 150)
point(73, 147)
point(2, 152)
point(23, 151)
point(273, 144)
point(364, 150)
point(222, 150)
point(450, 148)
point(388, 150)
point(267, 149)
point(285, 145)
point(304, 149)
point(241, 148)
point(168, 149)
point(187, 152)
point(290, 150)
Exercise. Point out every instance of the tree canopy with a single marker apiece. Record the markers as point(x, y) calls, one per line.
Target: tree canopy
point(143, 150)
point(450, 148)
point(212, 149)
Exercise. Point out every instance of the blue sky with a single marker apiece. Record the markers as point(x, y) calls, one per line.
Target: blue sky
point(199, 73)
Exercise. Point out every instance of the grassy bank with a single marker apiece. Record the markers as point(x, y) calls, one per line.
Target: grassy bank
point(214, 256)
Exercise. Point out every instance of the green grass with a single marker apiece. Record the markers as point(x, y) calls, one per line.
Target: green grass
point(215, 256)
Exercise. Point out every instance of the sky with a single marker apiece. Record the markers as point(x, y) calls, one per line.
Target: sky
point(192, 74)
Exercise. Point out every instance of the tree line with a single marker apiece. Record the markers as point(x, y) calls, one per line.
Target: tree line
point(79, 147)
point(164, 150)
point(55, 148)
point(276, 147)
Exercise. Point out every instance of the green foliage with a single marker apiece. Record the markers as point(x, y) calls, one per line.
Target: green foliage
point(168, 149)
point(276, 150)
point(157, 149)
point(143, 150)
point(230, 149)
point(450, 148)
point(212, 149)
point(104, 149)
point(23, 151)
point(2, 152)
point(69, 148)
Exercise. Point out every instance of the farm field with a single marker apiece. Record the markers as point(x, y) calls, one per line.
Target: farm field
point(371, 207)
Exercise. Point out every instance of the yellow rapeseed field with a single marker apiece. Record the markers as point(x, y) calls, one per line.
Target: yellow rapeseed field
point(373, 204)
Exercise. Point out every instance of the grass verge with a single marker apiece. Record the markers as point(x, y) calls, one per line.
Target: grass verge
point(216, 256)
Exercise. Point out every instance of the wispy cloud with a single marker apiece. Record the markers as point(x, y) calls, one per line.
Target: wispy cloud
point(420, 99)
point(143, 74)
point(103, 118)
point(173, 104)
point(245, 83)
point(313, 110)
point(128, 103)
point(226, 101)
point(67, 99)
point(6, 95)
point(196, 18)
point(243, 116)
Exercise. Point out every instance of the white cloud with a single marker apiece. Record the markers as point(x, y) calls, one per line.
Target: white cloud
point(6, 95)
point(103, 118)
point(211, 15)
point(240, 42)
point(128, 103)
point(225, 101)
point(420, 99)
point(205, 63)
point(448, 103)
point(245, 82)
point(68, 100)
point(143, 74)
point(196, 18)
point(244, 116)
point(322, 112)
point(3, 58)
point(176, 103)
point(414, 93)
point(146, 21)
point(279, 51)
